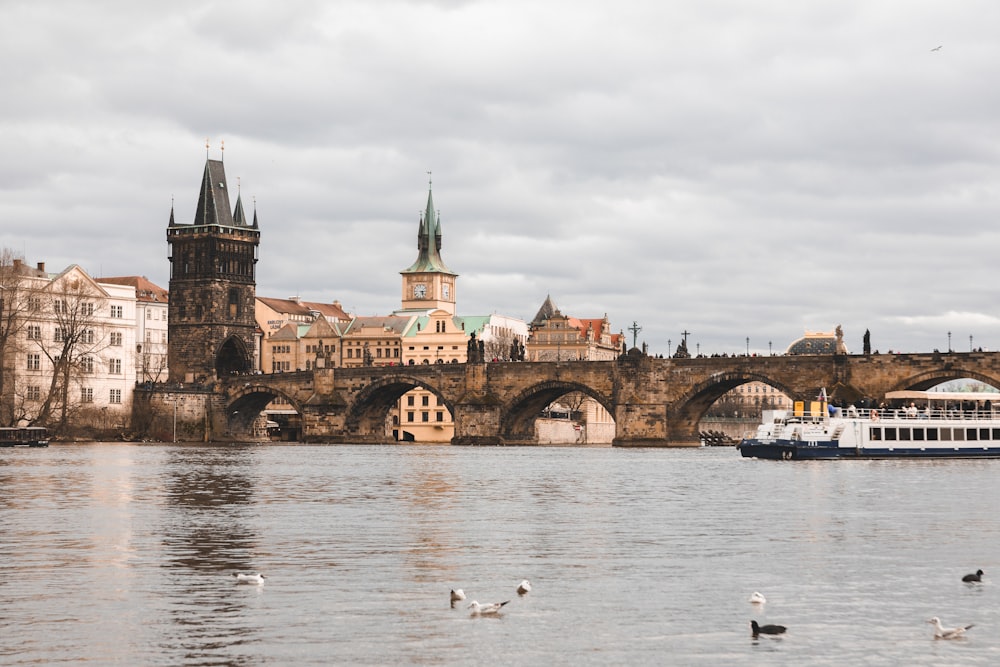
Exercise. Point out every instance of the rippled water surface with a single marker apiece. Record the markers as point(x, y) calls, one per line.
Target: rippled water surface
point(123, 553)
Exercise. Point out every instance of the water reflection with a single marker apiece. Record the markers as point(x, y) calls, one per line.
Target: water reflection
point(208, 531)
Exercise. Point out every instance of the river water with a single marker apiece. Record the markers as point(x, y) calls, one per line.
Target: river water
point(123, 554)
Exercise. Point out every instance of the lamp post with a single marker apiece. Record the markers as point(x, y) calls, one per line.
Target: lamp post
point(769, 352)
point(949, 341)
point(670, 349)
point(970, 343)
point(748, 346)
point(175, 419)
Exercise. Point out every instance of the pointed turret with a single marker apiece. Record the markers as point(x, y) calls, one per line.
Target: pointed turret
point(213, 202)
point(429, 242)
point(547, 310)
point(238, 217)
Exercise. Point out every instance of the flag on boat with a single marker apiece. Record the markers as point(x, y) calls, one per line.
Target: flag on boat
point(822, 394)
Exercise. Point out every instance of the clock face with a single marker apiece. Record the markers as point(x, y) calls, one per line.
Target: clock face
point(445, 290)
point(419, 291)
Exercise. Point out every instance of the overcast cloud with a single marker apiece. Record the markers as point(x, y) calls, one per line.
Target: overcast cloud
point(734, 169)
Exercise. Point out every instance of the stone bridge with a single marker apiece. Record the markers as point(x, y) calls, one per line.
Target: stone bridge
point(655, 402)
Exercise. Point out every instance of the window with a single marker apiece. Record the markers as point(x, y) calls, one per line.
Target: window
point(34, 304)
point(409, 416)
point(86, 395)
point(87, 364)
point(87, 308)
point(117, 311)
point(440, 416)
point(115, 366)
point(116, 396)
point(34, 393)
point(34, 362)
point(409, 400)
point(425, 400)
point(34, 332)
point(59, 306)
point(116, 338)
point(425, 416)
point(88, 336)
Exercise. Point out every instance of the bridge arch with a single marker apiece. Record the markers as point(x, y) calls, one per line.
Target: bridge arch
point(517, 422)
point(928, 379)
point(246, 404)
point(689, 410)
point(368, 414)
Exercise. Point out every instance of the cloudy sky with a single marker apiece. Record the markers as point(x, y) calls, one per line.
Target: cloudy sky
point(734, 169)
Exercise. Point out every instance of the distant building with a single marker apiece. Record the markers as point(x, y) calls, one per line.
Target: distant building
point(151, 321)
point(69, 354)
point(558, 337)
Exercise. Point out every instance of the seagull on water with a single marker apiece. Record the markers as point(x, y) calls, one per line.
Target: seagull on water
point(941, 632)
point(523, 587)
point(457, 595)
point(978, 576)
point(256, 578)
point(766, 629)
point(757, 598)
point(487, 609)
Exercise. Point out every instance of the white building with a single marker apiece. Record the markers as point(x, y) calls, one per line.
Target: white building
point(152, 306)
point(71, 362)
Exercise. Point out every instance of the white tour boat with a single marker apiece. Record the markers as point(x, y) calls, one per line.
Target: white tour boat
point(918, 424)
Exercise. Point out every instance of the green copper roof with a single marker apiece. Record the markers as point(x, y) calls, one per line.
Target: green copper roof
point(429, 243)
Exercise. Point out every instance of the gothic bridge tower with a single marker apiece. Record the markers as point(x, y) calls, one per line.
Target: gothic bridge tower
point(212, 285)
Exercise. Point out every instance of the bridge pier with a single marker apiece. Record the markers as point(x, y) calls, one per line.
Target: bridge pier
point(647, 425)
point(478, 423)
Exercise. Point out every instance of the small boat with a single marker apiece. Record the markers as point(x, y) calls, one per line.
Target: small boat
point(24, 436)
point(918, 424)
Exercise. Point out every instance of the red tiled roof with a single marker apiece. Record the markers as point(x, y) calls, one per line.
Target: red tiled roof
point(145, 289)
point(303, 308)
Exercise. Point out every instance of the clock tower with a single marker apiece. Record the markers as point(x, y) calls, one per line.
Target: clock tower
point(429, 284)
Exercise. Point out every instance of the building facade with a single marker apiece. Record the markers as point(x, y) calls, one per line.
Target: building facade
point(151, 322)
point(69, 349)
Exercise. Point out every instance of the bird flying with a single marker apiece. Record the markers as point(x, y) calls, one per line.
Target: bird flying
point(941, 632)
point(937, 48)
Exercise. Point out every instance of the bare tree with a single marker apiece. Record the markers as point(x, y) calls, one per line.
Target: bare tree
point(18, 297)
point(498, 345)
point(72, 345)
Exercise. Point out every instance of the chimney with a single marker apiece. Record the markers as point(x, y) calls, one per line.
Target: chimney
point(17, 263)
point(41, 267)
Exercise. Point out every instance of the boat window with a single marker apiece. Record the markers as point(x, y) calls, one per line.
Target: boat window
point(875, 433)
point(918, 434)
point(972, 434)
point(958, 434)
point(890, 433)
point(996, 434)
point(904, 434)
point(984, 434)
point(946, 434)
point(932, 434)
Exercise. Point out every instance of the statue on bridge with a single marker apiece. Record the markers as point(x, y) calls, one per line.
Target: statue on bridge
point(474, 350)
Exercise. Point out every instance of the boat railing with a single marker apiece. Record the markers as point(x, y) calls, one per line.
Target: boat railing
point(936, 414)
